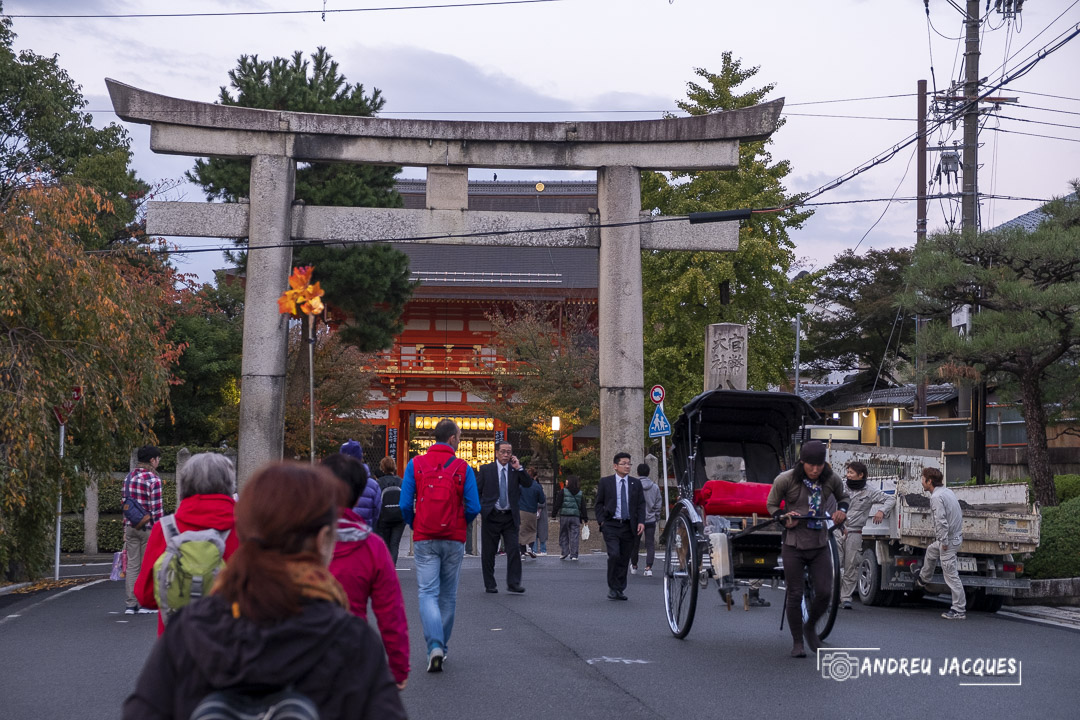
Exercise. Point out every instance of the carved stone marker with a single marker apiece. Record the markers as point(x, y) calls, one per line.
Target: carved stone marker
point(725, 357)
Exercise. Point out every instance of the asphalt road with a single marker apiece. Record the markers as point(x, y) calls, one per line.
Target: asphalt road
point(563, 649)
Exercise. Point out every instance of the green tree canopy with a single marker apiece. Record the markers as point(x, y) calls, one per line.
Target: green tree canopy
point(685, 291)
point(855, 323)
point(1027, 288)
point(370, 283)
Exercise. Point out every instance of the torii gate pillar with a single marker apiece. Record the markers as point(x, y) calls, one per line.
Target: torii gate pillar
point(622, 365)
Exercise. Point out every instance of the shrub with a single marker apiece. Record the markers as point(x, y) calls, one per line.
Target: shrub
point(1067, 486)
point(1058, 555)
point(110, 533)
point(585, 463)
point(111, 487)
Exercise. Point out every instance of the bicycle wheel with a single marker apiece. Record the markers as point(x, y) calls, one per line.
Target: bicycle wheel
point(825, 622)
point(681, 561)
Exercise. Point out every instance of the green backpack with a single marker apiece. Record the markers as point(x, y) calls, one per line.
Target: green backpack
point(187, 568)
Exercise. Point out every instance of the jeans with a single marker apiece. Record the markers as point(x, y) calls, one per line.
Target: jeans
point(438, 566)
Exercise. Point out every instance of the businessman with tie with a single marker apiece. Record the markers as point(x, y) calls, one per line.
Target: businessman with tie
point(500, 485)
point(620, 510)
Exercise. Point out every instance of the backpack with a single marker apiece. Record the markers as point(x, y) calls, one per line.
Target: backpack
point(390, 514)
point(440, 489)
point(235, 705)
point(187, 568)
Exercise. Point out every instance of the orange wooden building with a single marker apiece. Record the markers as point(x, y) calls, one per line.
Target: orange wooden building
point(447, 337)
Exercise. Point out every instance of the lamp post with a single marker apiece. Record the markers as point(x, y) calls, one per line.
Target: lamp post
point(556, 424)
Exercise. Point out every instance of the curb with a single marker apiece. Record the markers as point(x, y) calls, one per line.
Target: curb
point(12, 588)
point(1058, 591)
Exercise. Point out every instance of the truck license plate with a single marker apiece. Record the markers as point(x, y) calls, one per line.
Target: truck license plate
point(966, 564)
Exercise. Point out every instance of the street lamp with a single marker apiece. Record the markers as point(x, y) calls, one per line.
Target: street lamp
point(556, 424)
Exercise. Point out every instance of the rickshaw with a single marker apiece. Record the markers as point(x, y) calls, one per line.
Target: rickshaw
point(752, 435)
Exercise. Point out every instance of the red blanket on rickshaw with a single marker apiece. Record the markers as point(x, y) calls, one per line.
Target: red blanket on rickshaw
point(720, 497)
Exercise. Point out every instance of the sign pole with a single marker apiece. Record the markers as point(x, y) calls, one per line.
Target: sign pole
point(667, 502)
point(656, 394)
point(59, 504)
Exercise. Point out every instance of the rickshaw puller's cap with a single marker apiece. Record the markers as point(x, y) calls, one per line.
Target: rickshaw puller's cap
point(813, 453)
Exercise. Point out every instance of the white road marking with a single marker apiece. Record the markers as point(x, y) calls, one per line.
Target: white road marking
point(624, 661)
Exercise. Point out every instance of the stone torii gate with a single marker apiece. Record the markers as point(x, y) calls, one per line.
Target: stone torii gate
point(275, 141)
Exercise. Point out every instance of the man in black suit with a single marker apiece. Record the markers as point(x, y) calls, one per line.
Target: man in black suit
point(500, 485)
point(620, 510)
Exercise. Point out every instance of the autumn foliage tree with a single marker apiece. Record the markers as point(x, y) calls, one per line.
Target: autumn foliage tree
point(68, 318)
point(552, 368)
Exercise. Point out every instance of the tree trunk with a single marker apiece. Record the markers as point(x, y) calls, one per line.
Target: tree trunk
point(1042, 476)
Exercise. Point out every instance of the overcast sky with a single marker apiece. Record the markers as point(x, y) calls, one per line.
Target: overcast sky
point(558, 58)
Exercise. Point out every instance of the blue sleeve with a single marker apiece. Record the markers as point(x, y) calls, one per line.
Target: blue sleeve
point(408, 489)
point(378, 504)
point(472, 496)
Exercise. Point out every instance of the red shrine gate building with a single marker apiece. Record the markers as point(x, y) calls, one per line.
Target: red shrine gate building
point(448, 339)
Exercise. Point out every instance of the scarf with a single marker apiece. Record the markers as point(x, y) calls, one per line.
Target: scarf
point(815, 504)
point(316, 582)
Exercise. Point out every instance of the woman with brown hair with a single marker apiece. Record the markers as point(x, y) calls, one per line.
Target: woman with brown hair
point(276, 618)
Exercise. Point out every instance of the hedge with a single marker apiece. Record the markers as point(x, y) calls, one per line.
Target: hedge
point(1067, 486)
point(110, 533)
point(110, 489)
point(1058, 555)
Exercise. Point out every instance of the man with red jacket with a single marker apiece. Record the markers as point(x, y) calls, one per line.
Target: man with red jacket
point(438, 499)
point(207, 483)
point(362, 565)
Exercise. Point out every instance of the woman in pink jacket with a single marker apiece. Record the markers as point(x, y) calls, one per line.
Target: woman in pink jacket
point(363, 566)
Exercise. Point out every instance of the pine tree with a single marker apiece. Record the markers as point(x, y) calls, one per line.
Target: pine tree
point(369, 283)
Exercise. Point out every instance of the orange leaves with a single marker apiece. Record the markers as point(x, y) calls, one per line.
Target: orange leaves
point(302, 296)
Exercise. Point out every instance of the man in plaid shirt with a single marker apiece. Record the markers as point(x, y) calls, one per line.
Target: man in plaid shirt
point(144, 487)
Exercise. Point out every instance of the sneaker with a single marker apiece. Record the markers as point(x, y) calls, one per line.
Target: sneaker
point(574, 558)
point(920, 584)
point(131, 610)
point(953, 615)
point(435, 660)
point(564, 557)
point(648, 572)
point(146, 611)
point(633, 570)
point(847, 604)
point(531, 553)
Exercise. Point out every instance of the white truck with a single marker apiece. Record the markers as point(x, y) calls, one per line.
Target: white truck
point(1000, 524)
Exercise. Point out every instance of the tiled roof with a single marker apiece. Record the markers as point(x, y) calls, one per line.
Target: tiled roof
point(1030, 220)
point(903, 396)
point(499, 268)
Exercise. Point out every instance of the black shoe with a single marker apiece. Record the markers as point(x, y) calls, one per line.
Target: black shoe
point(492, 590)
point(515, 588)
point(797, 650)
point(619, 595)
point(564, 557)
point(920, 584)
point(847, 604)
point(613, 595)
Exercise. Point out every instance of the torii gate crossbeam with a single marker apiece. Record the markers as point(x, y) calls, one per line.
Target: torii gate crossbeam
point(275, 140)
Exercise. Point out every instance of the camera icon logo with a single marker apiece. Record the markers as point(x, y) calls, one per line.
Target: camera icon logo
point(839, 666)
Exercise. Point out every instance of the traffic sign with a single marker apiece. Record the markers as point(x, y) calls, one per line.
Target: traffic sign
point(656, 394)
point(63, 410)
point(659, 427)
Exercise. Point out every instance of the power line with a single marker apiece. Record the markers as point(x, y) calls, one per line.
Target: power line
point(1038, 122)
point(1047, 137)
point(244, 13)
point(1056, 97)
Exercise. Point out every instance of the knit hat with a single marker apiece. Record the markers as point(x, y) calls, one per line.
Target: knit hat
point(353, 449)
point(813, 453)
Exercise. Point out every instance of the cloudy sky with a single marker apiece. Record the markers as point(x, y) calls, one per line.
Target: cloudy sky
point(628, 59)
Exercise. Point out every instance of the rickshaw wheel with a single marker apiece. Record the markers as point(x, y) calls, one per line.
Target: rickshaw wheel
point(681, 563)
point(825, 622)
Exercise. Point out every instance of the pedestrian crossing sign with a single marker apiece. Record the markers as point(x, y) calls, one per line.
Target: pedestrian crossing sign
point(659, 427)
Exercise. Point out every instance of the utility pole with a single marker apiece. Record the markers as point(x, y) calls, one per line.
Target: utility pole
point(970, 219)
point(920, 235)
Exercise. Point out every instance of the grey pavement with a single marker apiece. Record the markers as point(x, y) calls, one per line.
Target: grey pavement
point(564, 649)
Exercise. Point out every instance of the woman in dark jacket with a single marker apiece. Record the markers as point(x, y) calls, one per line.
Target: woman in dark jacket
point(570, 509)
point(391, 524)
point(276, 617)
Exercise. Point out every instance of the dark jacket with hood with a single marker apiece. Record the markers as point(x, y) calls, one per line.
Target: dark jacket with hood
point(333, 657)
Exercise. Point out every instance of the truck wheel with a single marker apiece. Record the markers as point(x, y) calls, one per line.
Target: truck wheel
point(869, 585)
point(992, 603)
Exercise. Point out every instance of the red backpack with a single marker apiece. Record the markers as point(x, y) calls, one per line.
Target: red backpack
point(440, 490)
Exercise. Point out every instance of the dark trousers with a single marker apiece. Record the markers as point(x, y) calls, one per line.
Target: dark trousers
point(819, 560)
point(649, 536)
point(619, 541)
point(497, 526)
point(391, 535)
